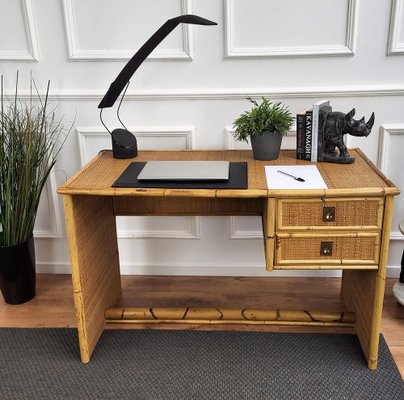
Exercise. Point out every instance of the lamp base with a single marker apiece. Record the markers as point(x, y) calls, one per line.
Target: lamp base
point(124, 144)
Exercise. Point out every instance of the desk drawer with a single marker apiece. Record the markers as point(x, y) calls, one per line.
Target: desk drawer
point(346, 214)
point(334, 250)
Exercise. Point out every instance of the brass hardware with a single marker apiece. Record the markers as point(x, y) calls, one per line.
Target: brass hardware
point(326, 249)
point(328, 214)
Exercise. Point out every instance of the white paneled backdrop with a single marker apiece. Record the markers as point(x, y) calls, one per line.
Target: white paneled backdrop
point(190, 91)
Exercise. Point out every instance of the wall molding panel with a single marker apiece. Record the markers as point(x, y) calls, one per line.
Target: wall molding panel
point(386, 132)
point(192, 230)
point(51, 196)
point(85, 134)
point(346, 49)
point(192, 225)
point(31, 37)
point(78, 54)
point(396, 90)
point(232, 143)
point(396, 236)
point(395, 47)
point(238, 233)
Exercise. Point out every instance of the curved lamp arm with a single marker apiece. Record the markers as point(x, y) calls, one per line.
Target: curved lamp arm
point(134, 63)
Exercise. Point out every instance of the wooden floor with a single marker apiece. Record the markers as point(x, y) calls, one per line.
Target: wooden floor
point(53, 305)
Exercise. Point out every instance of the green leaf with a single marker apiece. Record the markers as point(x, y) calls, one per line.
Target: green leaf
point(264, 118)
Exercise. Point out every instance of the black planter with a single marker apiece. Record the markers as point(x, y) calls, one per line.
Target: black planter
point(17, 272)
point(266, 147)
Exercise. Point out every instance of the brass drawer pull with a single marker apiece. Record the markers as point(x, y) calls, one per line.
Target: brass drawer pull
point(328, 214)
point(326, 249)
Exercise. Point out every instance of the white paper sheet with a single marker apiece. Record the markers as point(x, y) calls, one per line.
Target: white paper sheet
point(310, 174)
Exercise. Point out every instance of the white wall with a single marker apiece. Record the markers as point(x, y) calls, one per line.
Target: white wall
point(190, 92)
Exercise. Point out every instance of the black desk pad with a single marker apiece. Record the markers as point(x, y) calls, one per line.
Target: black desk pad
point(238, 179)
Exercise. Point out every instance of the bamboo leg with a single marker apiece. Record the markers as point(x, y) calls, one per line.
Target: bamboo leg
point(268, 223)
point(91, 234)
point(363, 293)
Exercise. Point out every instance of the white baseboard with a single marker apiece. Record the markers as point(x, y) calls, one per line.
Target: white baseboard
point(393, 271)
point(212, 270)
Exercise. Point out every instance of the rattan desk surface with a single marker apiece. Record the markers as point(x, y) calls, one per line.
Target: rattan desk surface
point(361, 177)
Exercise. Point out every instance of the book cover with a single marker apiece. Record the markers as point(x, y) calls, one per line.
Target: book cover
point(315, 127)
point(300, 134)
point(321, 122)
point(308, 132)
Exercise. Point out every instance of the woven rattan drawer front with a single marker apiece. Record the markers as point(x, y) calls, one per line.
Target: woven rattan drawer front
point(334, 250)
point(355, 214)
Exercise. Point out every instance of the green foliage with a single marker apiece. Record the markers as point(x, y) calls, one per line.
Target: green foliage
point(30, 140)
point(263, 118)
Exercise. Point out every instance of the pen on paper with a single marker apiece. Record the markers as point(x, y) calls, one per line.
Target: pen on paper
point(297, 178)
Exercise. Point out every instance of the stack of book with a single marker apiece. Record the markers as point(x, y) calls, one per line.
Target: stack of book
point(309, 124)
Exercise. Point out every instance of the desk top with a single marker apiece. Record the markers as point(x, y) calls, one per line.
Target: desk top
point(357, 179)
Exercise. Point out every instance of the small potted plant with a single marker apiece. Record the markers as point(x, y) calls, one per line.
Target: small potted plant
point(30, 140)
point(264, 124)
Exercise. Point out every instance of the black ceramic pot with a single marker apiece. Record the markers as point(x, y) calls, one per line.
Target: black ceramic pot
point(17, 272)
point(266, 147)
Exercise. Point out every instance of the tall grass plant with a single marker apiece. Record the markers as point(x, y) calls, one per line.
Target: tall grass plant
point(31, 138)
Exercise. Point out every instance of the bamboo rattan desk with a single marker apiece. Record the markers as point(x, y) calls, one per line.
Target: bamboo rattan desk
point(346, 226)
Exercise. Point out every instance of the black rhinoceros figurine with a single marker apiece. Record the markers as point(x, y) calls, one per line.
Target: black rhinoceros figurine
point(334, 125)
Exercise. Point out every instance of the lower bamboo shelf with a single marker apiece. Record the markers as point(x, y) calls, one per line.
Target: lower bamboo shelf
point(228, 316)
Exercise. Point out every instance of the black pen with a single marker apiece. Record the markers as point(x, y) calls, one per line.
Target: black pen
point(297, 178)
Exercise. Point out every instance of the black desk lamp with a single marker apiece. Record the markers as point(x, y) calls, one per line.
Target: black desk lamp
point(124, 142)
